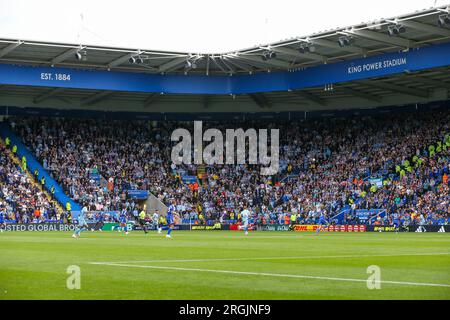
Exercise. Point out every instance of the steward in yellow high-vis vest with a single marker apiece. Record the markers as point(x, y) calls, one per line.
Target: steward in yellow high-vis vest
point(293, 218)
point(24, 163)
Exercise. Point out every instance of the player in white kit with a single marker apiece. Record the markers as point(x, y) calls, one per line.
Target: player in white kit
point(245, 216)
point(155, 220)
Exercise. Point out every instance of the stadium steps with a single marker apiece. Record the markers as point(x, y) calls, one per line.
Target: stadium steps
point(33, 180)
point(340, 215)
point(289, 177)
point(34, 165)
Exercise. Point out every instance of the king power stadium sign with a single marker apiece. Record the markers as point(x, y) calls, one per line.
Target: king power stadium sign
point(377, 65)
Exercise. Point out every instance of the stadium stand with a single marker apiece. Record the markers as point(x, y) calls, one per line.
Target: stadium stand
point(374, 160)
point(22, 199)
point(327, 166)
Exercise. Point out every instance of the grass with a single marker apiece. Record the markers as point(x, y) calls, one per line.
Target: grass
point(33, 265)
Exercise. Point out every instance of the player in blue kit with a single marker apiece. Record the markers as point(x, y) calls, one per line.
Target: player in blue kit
point(170, 219)
point(322, 222)
point(82, 224)
point(99, 218)
point(396, 221)
point(123, 221)
point(2, 221)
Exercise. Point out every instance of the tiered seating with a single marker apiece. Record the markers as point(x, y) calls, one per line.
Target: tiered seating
point(21, 198)
point(332, 160)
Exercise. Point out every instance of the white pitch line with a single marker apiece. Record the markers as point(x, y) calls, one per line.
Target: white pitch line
point(273, 274)
point(277, 258)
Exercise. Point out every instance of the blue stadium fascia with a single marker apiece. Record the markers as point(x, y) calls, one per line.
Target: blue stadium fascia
point(414, 59)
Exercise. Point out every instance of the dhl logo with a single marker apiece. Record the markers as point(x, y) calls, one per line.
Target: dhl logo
point(302, 227)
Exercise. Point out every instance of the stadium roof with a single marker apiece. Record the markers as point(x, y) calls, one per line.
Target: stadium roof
point(370, 39)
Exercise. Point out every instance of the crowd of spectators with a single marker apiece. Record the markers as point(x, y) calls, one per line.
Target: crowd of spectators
point(326, 166)
point(21, 200)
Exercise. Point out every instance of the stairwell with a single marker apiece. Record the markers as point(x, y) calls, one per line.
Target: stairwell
point(32, 178)
point(33, 165)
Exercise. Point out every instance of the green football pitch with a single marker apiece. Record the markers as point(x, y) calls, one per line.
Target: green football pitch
point(224, 265)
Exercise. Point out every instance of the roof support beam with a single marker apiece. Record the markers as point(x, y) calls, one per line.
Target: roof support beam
point(63, 100)
point(207, 65)
point(47, 95)
point(381, 37)
point(178, 66)
point(426, 27)
point(359, 94)
point(232, 70)
point(273, 62)
point(260, 100)
point(63, 56)
point(96, 97)
point(239, 64)
point(259, 64)
point(151, 99)
point(10, 48)
point(309, 96)
point(172, 63)
point(219, 65)
point(335, 45)
point(297, 54)
point(431, 82)
point(398, 88)
point(117, 62)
